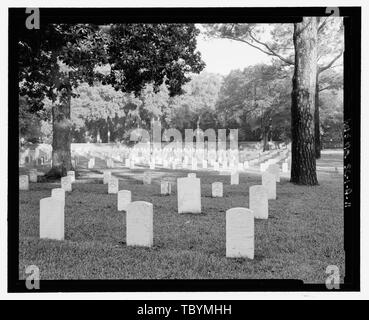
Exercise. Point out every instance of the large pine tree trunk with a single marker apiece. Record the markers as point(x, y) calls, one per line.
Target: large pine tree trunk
point(303, 168)
point(61, 154)
point(318, 145)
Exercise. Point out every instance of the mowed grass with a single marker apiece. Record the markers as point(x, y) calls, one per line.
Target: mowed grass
point(303, 235)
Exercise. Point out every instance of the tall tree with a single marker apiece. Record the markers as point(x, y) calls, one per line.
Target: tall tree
point(303, 168)
point(277, 42)
point(257, 98)
point(52, 60)
point(56, 58)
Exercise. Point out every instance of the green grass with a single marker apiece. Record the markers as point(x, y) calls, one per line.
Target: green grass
point(303, 235)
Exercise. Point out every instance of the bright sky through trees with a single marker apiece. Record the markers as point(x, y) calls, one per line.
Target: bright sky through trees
point(223, 55)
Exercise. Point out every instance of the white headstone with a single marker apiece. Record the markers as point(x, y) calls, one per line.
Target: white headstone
point(285, 167)
point(246, 164)
point(216, 166)
point(23, 182)
point(58, 193)
point(217, 189)
point(234, 177)
point(113, 185)
point(91, 163)
point(268, 181)
point(189, 195)
point(106, 177)
point(33, 175)
point(258, 201)
point(127, 163)
point(274, 169)
point(165, 187)
point(51, 219)
point(239, 233)
point(139, 224)
point(146, 177)
point(72, 176)
point(152, 164)
point(124, 199)
point(66, 183)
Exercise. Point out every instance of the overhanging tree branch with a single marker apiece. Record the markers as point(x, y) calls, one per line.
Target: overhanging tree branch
point(272, 52)
point(321, 69)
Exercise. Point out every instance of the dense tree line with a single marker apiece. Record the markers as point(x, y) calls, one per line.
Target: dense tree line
point(96, 83)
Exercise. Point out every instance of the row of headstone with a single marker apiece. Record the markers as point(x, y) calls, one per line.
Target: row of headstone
point(239, 221)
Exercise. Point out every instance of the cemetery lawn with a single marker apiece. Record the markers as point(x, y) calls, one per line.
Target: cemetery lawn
point(303, 235)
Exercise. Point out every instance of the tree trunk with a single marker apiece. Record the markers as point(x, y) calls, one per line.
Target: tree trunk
point(303, 168)
point(266, 138)
point(318, 145)
point(61, 154)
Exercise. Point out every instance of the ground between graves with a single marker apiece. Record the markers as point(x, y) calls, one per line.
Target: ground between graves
point(303, 235)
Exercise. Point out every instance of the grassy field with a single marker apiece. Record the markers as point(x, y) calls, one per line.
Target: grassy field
point(303, 235)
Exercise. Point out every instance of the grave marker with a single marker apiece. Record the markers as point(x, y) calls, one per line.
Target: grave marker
point(189, 195)
point(139, 224)
point(285, 167)
point(268, 181)
point(165, 187)
point(146, 177)
point(113, 185)
point(274, 169)
point(23, 182)
point(258, 201)
point(239, 233)
point(72, 176)
point(124, 199)
point(217, 189)
point(33, 175)
point(51, 219)
point(106, 177)
point(235, 177)
point(66, 183)
point(59, 194)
